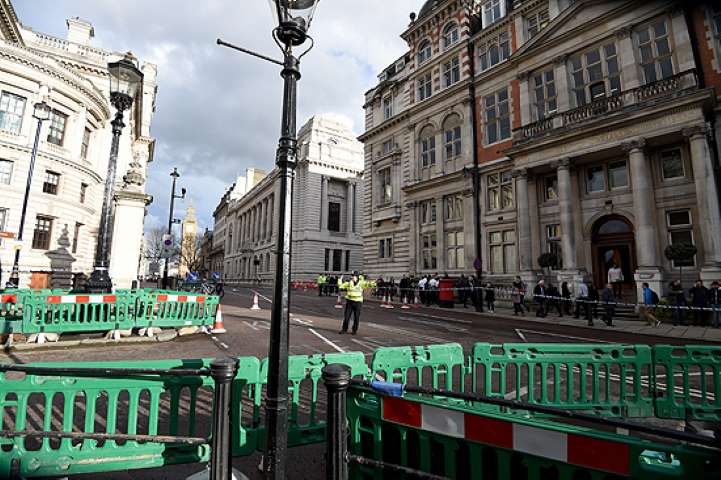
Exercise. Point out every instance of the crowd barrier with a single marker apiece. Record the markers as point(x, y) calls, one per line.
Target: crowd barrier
point(621, 381)
point(48, 311)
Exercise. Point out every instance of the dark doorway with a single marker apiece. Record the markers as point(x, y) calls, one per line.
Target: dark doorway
point(614, 243)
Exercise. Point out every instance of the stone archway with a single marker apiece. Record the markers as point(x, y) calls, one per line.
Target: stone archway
point(613, 242)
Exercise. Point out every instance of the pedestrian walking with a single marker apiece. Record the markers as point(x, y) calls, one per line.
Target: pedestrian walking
point(391, 289)
point(678, 299)
point(539, 297)
point(593, 298)
point(615, 278)
point(699, 300)
point(554, 300)
point(582, 305)
point(433, 287)
point(521, 287)
point(490, 298)
point(714, 301)
point(422, 289)
point(354, 299)
point(464, 292)
point(608, 298)
point(220, 289)
point(404, 288)
point(566, 295)
point(646, 309)
point(516, 299)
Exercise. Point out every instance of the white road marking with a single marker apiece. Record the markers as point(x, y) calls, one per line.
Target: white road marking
point(437, 317)
point(251, 325)
point(262, 296)
point(215, 339)
point(519, 332)
point(562, 335)
point(409, 333)
point(303, 322)
point(336, 347)
point(450, 328)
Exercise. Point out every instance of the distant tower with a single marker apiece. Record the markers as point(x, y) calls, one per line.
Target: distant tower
point(188, 246)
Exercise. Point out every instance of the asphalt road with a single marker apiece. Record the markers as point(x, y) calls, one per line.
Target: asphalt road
point(315, 323)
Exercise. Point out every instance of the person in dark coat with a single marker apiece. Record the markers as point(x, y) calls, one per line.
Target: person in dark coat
point(699, 299)
point(463, 286)
point(678, 299)
point(714, 301)
point(554, 299)
point(609, 304)
point(567, 302)
point(490, 298)
point(593, 297)
point(539, 296)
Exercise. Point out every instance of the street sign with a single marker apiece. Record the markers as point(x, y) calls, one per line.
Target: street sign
point(168, 245)
point(7, 235)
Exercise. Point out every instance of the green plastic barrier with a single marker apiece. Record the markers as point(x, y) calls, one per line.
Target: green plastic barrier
point(436, 366)
point(11, 301)
point(612, 380)
point(687, 382)
point(176, 309)
point(463, 442)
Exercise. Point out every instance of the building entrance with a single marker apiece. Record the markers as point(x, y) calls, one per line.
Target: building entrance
point(614, 245)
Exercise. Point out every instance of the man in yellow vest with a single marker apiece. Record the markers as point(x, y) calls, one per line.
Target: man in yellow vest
point(321, 284)
point(354, 299)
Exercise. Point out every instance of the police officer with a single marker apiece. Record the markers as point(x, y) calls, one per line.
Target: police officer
point(354, 299)
point(321, 284)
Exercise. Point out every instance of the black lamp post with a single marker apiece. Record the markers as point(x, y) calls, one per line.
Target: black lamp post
point(41, 113)
point(172, 220)
point(125, 81)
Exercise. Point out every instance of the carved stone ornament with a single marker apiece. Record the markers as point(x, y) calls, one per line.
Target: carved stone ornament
point(624, 32)
point(693, 131)
point(564, 163)
point(520, 173)
point(637, 144)
point(135, 178)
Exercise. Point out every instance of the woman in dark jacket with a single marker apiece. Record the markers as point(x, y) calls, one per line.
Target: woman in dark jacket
point(566, 294)
point(490, 298)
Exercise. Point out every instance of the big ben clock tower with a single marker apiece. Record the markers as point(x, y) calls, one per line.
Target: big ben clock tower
point(188, 249)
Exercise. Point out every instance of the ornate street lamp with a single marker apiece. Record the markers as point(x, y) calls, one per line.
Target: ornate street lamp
point(125, 82)
point(41, 113)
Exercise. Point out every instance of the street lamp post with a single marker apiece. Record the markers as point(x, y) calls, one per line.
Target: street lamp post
point(125, 81)
point(41, 113)
point(171, 220)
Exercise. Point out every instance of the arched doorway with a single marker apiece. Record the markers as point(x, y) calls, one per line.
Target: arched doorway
point(613, 242)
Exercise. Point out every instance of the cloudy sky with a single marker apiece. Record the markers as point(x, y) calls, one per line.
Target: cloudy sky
point(218, 111)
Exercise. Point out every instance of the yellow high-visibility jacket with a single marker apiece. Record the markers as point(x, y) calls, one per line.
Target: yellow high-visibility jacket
point(321, 280)
point(354, 291)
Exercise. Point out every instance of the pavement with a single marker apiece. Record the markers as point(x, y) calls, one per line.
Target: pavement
point(314, 328)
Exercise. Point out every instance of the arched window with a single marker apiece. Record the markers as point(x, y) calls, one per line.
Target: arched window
point(452, 145)
point(425, 51)
point(451, 35)
point(427, 142)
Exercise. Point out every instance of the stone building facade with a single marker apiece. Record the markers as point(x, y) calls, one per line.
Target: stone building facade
point(593, 125)
point(65, 199)
point(326, 235)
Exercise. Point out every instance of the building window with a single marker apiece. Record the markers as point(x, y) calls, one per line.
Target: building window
point(451, 72)
point(425, 87)
point(550, 188)
point(455, 253)
point(497, 117)
point(347, 260)
point(617, 175)
point(76, 237)
point(337, 259)
point(85, 144)
point(12, 108)
point(385, 248)
point(3, 220)
point(52, 180)
point(453, 207)
point(716, 22)
point(41, 235)
point(595, 180)
point(387, 107)
point(387, 147)
point(672, 164)
point(428, 150)
point(83, 192)
point(6, 172)
point(502, 246)
point(536, 22)
point(491, 12)
point(494, 51)
point(425, 52)
point(428, 212)
point(680, 230)
point(333, 216)
point(544, 89)
point(655, 52)
point(451, 35)
point(386, 187)
point(452, 145)
point(595, 74)
point(429, 251)
point(327, 260)
point(553, 243)
point(56, 132)
point(500, 190)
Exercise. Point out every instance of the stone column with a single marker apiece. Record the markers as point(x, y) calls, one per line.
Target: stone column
point(264, 220)
point(565, 206)
point(627, 59)
point(523, 220)
point(644, 210)
point(709, 211)
point(271, 217)
point(560, 77)
point(413, 247)
point(525, 100)
point(350, 205)
point(324, 204)
point(682, 46)
point(440, 235)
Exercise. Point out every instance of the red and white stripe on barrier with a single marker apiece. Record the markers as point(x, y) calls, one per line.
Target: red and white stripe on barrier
point(180, 298)
point(8, 298)
point(569, 448)
point(82, 299)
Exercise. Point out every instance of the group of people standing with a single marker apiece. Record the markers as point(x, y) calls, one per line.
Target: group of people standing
point(585, 303)
point(327, 285)
point(702, 305)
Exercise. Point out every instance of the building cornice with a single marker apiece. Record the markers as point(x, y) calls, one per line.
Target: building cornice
point(434, 182)
point(385, 125)
point(9, 23)
point(63, 161)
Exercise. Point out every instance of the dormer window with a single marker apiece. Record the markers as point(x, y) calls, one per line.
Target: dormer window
point(492, 12)
point(451, 35)
point(424, 52)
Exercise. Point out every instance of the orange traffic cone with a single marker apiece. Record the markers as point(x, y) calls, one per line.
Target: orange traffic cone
point(255, 302)
point(339, 302)
point(218, 325)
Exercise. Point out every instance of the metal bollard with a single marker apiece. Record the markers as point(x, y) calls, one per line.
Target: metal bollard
point(337, 379)
point(222, 371)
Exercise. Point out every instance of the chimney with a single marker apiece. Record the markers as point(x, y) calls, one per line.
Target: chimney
point(79, 31)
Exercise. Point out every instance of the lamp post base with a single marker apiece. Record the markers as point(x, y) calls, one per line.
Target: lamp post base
point(99, 281)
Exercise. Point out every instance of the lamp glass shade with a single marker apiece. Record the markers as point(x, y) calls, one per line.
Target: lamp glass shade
point(41, 111)
point(298, 11)
point(125, 78)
